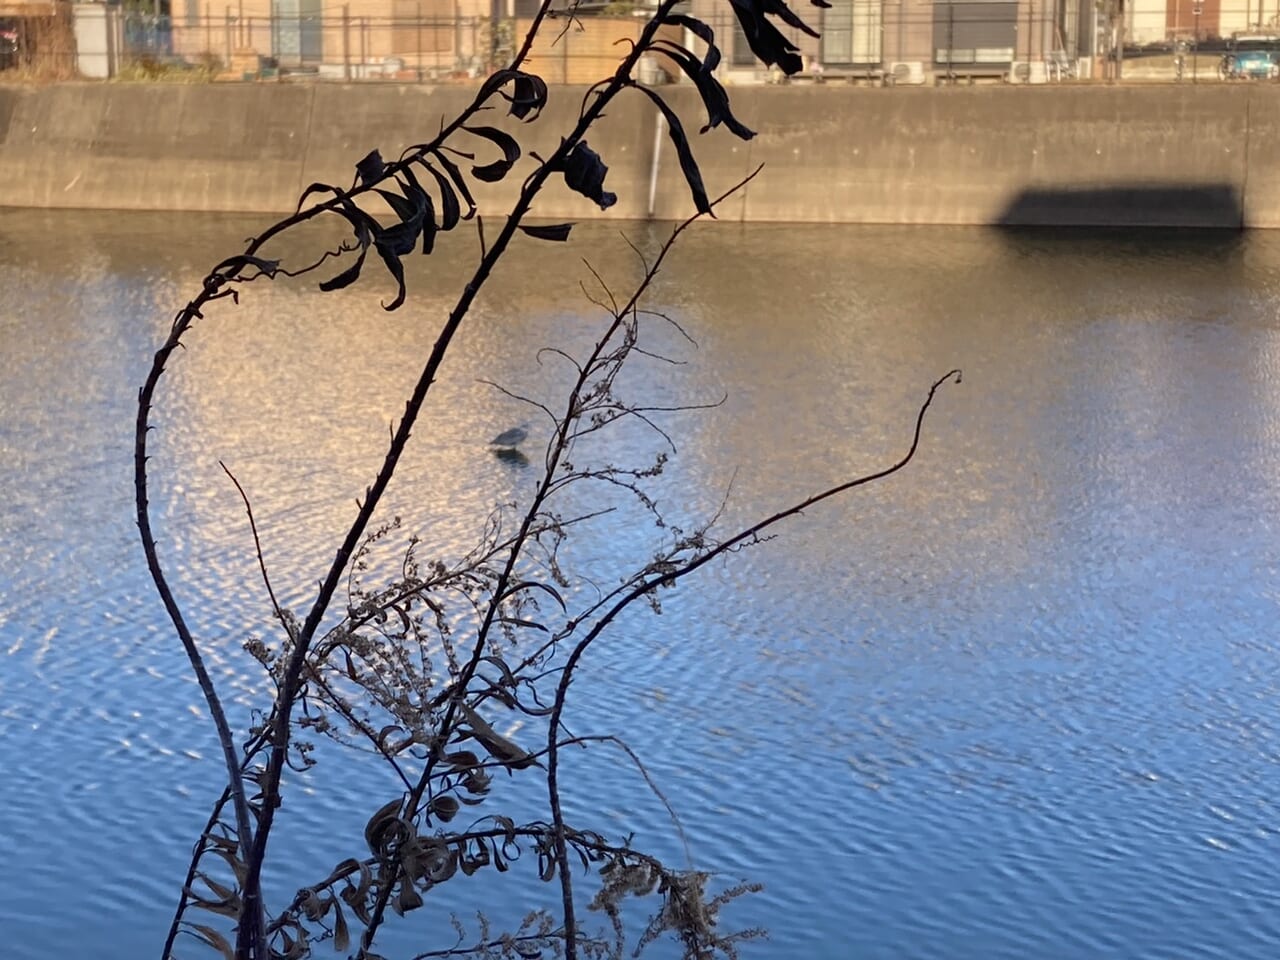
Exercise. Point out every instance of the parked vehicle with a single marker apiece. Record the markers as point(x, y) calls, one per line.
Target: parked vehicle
point(1251, 57)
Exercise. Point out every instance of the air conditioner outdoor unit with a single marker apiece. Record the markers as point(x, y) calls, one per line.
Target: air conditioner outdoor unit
point(1019, 71)
point(911, 71)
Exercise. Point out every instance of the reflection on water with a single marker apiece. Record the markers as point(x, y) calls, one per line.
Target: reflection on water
point(513, 458)
point(1020, 700)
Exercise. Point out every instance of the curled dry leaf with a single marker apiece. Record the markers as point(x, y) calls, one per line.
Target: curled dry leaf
point(584, 172)
point(506, 752)
point(380, 822)
point(371, 168)
point(443, 807)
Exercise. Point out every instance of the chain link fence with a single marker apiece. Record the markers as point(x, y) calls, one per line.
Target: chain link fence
point(885, 42)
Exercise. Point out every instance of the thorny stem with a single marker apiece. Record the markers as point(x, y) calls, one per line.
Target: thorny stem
point(244, 828)
point(250, 943)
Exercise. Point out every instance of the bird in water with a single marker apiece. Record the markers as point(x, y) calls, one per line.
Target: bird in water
point(510, 439)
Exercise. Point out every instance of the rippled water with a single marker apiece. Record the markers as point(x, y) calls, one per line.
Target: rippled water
point(1018, 701)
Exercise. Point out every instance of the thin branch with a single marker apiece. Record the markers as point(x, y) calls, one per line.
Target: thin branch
point(553, 788)
point(653, 786)
point(176, 924)
point(644, 262)
point(486, 948)
point(672, 321)
point(647, 586)
point(556, 351)
point(257, 544)
point(659, 357)
point(594, 300)
point(343, 247)
point(613, 303)
point(349, 715)
point(518, 397)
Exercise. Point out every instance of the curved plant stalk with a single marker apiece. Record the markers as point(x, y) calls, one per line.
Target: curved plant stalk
point(647, 585)
point(252, 843)
point(492, 581)
point(293, 676)
point(453, 697)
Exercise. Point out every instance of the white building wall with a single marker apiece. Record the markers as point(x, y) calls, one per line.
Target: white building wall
point(1146, 22)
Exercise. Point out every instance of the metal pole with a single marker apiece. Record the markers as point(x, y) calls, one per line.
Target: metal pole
point(457, 38)
point(1119, 39)
point(902, 26)
point(1030, 31)
point(346, 43)
point(495, 17)
point(1195, 50)
point(658, 125)
point(418, 28)
point(951, 42)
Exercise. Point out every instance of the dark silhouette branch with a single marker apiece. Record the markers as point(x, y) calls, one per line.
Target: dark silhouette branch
point(257, 544)
point(395, 645)
point(648, 585)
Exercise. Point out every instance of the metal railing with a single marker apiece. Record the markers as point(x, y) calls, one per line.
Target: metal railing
point(326, 48)
point(886, 42)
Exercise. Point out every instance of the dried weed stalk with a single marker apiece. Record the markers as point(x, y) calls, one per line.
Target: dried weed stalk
point(420, 667)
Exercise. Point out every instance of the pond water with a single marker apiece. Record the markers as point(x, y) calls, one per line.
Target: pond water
point(1019, 700)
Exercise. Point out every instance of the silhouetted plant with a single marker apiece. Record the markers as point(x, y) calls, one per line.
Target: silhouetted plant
point(419, 665)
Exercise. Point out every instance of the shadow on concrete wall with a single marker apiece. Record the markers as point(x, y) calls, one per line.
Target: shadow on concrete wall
point(1127, 205)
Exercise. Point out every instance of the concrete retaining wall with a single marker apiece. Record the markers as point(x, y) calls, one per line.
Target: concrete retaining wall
point(1186, 155)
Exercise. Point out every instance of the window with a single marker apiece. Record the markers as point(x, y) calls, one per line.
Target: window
point(974, 33)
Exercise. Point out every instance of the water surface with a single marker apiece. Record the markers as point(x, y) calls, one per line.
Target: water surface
point(1019, 700)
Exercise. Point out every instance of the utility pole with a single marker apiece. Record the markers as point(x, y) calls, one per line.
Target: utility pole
point(1197, 9)
point(495, 21)
point(1117, 36)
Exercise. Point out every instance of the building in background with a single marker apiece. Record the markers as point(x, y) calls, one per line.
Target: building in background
point(351, 40)
point(894, 41)
point(913, 41)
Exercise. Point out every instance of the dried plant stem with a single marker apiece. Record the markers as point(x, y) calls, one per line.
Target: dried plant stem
point(529, 191)
point(647, 586)
point(398, 646)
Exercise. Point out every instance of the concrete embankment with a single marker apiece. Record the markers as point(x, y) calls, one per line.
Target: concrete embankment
point(1171, 155)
